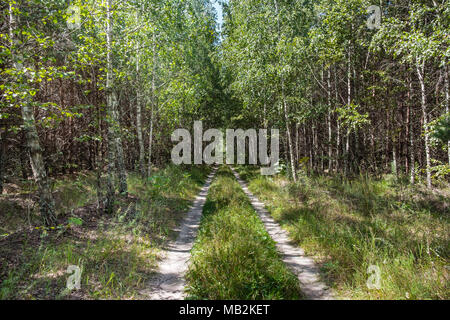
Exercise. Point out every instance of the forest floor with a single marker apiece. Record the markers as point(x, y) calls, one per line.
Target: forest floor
point(350, 225)
point(294, 257)
point(240, 252)
point(234, 257)
point(117, 254)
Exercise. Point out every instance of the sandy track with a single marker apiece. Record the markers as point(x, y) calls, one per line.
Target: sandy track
point(169, 282)
point(294, 257)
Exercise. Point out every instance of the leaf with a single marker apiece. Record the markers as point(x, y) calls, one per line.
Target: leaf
point(75, 221)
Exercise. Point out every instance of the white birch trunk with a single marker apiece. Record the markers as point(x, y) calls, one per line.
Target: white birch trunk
point(139, 109)
point(421, 75)
point(447, 101)
point(110, 192)
point(46, 201)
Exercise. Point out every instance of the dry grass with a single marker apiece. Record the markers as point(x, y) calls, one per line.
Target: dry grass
point(116, 254)
point(350, 225)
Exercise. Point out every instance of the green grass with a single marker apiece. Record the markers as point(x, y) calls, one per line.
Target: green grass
point(113, 266)
point(19, 210)
point(349, 225)
point(234, 257)
point(117, 254)
point(74, 191)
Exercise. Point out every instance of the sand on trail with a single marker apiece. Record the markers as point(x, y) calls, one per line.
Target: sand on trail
point(169, 282)
point(294, 257)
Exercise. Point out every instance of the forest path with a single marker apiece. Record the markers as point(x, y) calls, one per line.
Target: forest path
point(294, 257)
point(169, 282)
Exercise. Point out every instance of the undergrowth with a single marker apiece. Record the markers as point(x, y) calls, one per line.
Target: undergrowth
point(349, 225)
point(116, 254)
point(234, 257)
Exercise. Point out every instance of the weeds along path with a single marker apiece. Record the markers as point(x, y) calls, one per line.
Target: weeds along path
point(294, 257)
point(233, 256)
point(168, 283)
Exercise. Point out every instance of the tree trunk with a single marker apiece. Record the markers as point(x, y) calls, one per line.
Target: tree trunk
point(110, 193)
point(98, 171)
point(394, 161)
point(421, 75)
point(46, 201)
point(394, 145)
point(349, 101)
point(150, 142)
point(139, 116)
point(3, 135)
point(330, 150)
point(288, 133)
point(115, 149)
point(338, 126)
point(447, 101)
point(412, 160)
point(153, 102)
point(347, 152)
point(310, 148)
point(406, 138)
point(316, 145)
point(306, 150)
point(285, 107)
point(120, 159)
point(297, 143)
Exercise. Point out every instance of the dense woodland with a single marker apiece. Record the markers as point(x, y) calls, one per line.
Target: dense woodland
point(350, 99)
point(92, 90)
point(101, 85)
point(103, 90)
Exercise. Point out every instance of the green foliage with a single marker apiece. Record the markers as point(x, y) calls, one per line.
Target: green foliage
point(351, 118)
point(442, 129)
point(75, 221)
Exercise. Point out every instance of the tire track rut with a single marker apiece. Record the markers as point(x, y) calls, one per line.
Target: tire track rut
point(169, 282)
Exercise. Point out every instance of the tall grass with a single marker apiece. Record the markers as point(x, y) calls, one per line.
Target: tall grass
point(234, 257)
point(74, 191)
point(117, 253)
point(350, 225)
point(20, 209)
